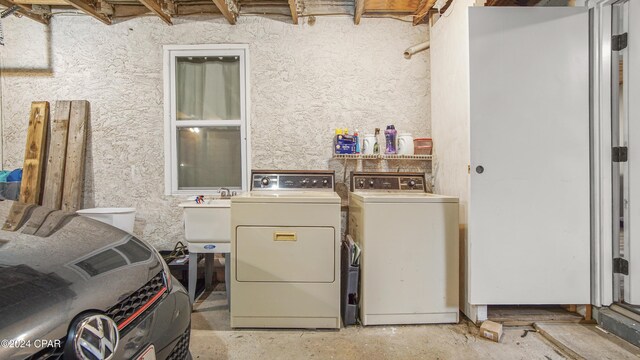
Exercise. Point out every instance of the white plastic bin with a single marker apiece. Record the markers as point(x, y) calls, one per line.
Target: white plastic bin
point(122, 218)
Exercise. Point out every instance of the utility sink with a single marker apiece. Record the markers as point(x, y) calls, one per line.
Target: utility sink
point(208, 222)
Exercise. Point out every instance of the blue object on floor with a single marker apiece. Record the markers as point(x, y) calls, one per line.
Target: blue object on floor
point(3, 175)
point(15, 175)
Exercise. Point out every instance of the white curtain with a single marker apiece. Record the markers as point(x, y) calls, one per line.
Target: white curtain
point(208, 89)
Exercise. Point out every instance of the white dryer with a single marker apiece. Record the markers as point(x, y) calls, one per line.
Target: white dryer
point(409, 243)
point(285, 245)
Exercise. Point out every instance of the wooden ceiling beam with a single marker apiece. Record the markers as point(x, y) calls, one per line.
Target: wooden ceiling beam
point(157, 9)
point(423, 11)
point(25, 10)
point(293, 6)
point(89, 9)
point(227, 10)
point(358, 11)
point(41, 2)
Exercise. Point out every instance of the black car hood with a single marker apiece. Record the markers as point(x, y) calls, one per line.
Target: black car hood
point(45, 282)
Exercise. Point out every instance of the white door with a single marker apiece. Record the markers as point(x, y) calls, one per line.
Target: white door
point(529, 232)
point(630, 114)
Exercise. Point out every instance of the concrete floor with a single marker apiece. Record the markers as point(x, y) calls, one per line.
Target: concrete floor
point(213, 339)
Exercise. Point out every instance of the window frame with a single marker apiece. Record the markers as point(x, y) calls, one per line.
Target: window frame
point(171, 124)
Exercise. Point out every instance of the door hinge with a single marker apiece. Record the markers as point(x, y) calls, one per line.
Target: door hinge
point(620, 266)
point(619, 154)
point(619, 42)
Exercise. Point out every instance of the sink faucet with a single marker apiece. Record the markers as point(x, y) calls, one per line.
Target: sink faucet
point(224, 193)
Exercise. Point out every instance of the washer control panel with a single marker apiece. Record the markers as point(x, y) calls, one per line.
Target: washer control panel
point(392, 181)
point(292, 180)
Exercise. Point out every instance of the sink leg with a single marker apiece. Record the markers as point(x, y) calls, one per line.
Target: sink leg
point(208, 271)
point(227, 277)
point(193, 275)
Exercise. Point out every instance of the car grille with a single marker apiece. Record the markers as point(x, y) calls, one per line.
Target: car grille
point(127, 310)
point(181, 350)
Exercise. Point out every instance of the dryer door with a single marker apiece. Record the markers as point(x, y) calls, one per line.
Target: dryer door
point(285, 254)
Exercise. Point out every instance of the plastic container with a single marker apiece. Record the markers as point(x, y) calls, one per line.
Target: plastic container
point(10, 190)
point(122, 218)
point(422, 146)
point(390, 135)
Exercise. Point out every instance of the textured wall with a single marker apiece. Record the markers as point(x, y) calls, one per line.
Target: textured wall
point(305, 81)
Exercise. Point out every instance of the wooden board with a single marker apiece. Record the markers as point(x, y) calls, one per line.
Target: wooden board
point(52, 196)
point(587, 342)
point(37, 218)
point(34, 153)
point(528, 315)
point(52, 222)
point(18, 214)
point(74, 165)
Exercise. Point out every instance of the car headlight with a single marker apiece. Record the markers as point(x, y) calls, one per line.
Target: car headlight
point(167, 274)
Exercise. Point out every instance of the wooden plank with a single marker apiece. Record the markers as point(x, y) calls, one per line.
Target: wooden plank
point(38, 216)
point(90, 10)
point(358, 11)
point(25, 10)
point(74, 165)
point(528, 315)
point(293, 6)
point(34, 153)
point(423, 10)
point(157, 9)
point(229, 14)
point(42, 2)
point(18, 214)
point(588, 314)
point(129, 10)
point(391, 6)
point(52, 197)
point(580, 341)
point(53, 222)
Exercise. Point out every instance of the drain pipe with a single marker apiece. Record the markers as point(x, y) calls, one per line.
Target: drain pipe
point(416, 49)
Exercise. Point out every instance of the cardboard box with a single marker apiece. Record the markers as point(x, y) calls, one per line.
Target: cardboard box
point(491, 330)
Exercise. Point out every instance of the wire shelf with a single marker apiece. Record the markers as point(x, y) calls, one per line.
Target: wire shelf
point(383, 157)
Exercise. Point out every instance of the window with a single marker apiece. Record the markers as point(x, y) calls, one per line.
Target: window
point(206, 118)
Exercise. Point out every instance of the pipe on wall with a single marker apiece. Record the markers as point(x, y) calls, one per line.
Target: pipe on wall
point(416, 49)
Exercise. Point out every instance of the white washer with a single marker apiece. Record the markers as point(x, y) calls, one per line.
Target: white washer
point(285, 268)
point(409, 242)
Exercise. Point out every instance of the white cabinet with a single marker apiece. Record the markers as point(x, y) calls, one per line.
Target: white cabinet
point(520, 133)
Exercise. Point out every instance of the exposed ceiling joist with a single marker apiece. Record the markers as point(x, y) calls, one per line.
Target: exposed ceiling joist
point(157, 9)
point(229, 10)
point(25, 10)
point(42, 2)
point(293, 5)
point(89, 9)
point(358, 11)
point(423, 10)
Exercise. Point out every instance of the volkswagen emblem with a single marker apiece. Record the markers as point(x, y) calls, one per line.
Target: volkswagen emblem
point(96, 337)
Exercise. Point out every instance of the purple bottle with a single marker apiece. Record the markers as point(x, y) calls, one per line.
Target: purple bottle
point(390, 136)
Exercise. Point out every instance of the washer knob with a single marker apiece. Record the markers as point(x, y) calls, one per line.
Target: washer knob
point(325, 182)
point(361, 183)
point(314, 182)
point(411, 183)
point(371, 183)
point(265, 181)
